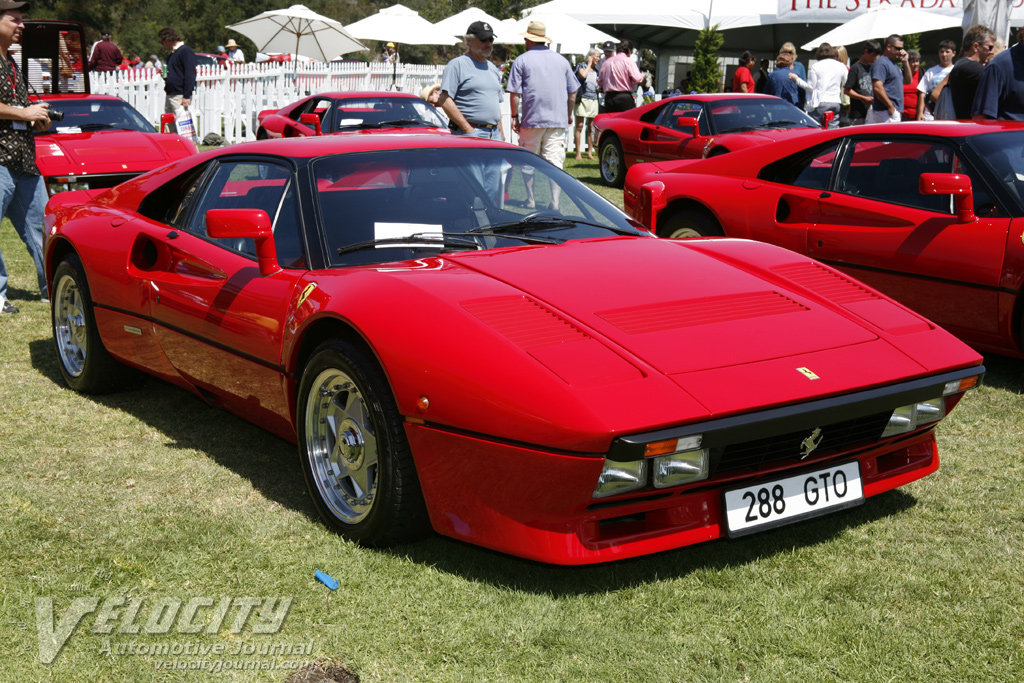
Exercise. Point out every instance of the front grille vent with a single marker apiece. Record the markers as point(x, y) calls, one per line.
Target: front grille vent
point(835, 438)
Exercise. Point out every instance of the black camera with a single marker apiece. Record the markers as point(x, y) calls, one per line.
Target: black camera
point(55, 114)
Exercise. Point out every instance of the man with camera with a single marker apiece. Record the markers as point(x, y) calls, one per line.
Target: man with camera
point(22, 188)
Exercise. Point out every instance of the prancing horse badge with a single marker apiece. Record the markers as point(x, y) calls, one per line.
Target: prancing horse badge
point(808, 445)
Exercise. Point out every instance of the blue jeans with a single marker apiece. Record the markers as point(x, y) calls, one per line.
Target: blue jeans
point(819, 114)
point(23, 200)
point(489, 175)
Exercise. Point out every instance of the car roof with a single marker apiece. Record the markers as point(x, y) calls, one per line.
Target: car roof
point(310, 147)
point(363, 93)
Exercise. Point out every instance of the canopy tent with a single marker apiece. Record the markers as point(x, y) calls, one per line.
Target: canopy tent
point(457, 24)
point(569, 36)
point(881, 22)
point(399, 24)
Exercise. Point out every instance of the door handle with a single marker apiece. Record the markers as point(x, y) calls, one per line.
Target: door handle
point(824, 195)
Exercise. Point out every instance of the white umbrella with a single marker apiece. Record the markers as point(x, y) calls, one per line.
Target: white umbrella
point(568, 36)
point(457, 24)
point(298, 30)
point(399, 24)
point(882, 22)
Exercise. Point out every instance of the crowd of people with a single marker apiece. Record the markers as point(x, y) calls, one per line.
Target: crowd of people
point(886, 84)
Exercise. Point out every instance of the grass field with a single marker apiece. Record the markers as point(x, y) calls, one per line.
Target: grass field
point(149, 499)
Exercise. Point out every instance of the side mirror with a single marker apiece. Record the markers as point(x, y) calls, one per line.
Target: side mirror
point(165, 121)
point(827, 119)
point(689, 123)
point(311, 120)
point(243, 223)
point(956, 184)
point(650, 202)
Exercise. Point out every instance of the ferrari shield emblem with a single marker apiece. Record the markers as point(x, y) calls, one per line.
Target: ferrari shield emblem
point(808, 373)
point(305, 294)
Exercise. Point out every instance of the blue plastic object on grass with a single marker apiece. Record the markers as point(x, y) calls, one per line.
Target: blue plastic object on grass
point(327, 580)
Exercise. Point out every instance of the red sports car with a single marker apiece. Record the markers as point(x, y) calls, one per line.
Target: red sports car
point(931, 213)
point(693, 127)
point(554, 383)
point(100, 140)
point(351, 112)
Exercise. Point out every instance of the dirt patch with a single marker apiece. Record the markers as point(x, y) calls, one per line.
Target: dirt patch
point(324, 673)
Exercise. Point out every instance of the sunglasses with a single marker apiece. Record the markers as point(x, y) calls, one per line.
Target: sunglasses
point(486, 40)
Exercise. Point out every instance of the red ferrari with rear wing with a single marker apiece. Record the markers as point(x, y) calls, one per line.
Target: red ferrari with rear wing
point(351, 112)
point(931, 214)
point(555, 383)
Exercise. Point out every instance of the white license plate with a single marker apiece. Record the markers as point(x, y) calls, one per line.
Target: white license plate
point(782, 501)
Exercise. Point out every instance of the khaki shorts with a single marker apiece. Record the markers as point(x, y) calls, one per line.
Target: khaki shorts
point(586, 109)
point(548, 143)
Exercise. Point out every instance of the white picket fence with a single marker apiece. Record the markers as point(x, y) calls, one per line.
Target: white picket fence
point(227, 100)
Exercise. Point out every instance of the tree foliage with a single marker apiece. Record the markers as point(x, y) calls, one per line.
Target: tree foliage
point(201, 23)
point(706, 76)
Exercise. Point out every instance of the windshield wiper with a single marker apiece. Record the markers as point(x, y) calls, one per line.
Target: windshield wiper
point(416, 240)
point(397, 123)
point(544, 222)
point(401, 123)
point(98, 126)
point(780, 124)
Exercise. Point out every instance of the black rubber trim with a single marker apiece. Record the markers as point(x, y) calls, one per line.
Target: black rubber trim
point(205, 340)
point(811, 414)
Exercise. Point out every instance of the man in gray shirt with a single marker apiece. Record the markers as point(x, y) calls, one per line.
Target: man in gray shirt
point(471, 93)
point(471, 96)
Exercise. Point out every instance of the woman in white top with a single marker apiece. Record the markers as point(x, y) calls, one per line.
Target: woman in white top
point(825, 85)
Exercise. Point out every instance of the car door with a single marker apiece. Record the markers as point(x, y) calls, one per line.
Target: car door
point(219, 323)
point(782, 203)
point(669, 138)
point(876, 225)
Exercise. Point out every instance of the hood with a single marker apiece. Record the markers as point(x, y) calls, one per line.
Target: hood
point(697, 312)
point(104, 152)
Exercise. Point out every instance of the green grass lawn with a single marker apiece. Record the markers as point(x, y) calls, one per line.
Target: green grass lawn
point(152, 496)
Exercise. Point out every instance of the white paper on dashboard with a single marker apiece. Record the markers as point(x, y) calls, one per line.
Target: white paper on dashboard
point(389, 230)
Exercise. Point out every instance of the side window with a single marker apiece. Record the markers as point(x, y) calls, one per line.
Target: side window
point(890, 171)
point(672, 114)
point(984, 203)
point(810, 169)
point(168, 204)
point(244, 185)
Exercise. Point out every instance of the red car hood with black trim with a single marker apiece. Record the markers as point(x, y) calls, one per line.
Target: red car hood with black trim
point(696, 311)
point(112, 151)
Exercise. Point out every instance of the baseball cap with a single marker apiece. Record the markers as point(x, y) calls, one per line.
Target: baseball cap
point(609, 46)
point(480, 29)
point(10, 4)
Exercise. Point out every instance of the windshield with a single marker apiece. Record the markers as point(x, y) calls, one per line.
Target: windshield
point(384, 112)
point(92, 115)
point(753, 113)
point(397, 205)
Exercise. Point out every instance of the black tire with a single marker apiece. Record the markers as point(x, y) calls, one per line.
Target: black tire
point(355, 457)
point(611, 163)
point(84, 362)
point(690, 223)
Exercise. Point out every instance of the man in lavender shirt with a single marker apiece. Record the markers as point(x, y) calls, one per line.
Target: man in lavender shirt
point(546, 84)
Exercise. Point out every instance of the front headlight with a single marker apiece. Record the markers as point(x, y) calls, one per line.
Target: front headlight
point(621, 477)
point(680, 468)
point(908, 418)
point(671, 462)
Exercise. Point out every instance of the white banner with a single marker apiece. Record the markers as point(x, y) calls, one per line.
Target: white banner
point(839, 11)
